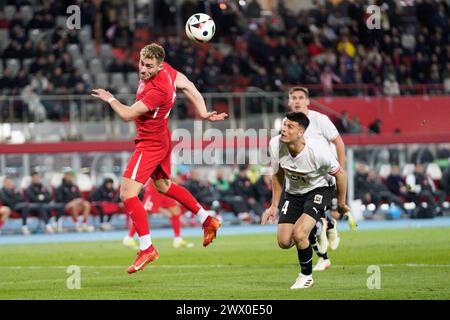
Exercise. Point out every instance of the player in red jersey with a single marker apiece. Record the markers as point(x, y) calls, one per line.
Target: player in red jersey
point(155, 202)
point(151, 159)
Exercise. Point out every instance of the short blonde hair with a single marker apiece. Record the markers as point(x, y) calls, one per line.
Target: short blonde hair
point(153, 50)
point(302, 89)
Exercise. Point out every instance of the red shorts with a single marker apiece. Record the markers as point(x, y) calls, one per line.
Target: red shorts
point(145, 164)
point(153, 200)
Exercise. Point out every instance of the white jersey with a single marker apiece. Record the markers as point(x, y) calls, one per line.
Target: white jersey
point(322, 129)
point(309, 170)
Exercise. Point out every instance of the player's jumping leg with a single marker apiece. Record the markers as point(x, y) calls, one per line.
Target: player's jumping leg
point(133, 206)
point(302, 230)
point(323, 263)
point(332, 233)
point(210, 224)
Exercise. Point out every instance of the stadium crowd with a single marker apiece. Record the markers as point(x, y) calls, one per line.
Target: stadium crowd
point(325, 45)
point(245, 193)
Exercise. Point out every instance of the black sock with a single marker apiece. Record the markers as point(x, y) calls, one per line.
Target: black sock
point(330, 223)
point(305, 260)
point(320, 255)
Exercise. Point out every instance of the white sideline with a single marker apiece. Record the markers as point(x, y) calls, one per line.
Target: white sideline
point(192, 266)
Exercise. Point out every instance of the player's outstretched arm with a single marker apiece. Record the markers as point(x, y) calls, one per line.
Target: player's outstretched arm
point(194, 96)
point(277, 183)
point(125, 112)
point(340, 150)
point(341, 185)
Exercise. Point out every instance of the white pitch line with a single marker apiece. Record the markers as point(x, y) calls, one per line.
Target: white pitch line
point(193, 266)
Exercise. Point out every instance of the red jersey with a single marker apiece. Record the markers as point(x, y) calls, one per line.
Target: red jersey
point(158, 94)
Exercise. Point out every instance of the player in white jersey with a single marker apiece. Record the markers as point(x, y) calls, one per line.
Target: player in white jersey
point(322, 131)
point(307, 168)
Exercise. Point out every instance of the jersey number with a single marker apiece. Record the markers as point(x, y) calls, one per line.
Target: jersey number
point(285, 207)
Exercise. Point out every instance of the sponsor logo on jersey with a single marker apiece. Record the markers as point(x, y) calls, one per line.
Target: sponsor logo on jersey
point(318, 198)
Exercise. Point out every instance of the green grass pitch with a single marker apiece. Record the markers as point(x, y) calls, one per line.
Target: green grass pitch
point(414, 264)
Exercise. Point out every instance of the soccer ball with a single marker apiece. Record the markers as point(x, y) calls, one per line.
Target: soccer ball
point(200, 28)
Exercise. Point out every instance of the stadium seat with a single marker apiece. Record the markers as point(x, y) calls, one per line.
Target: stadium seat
point(132, 79)
point(408, 169)
point(47, 177)
point(89, 51)
point(25, 182)
point(434, 171)
point(13, 65)
point(85, 34)
point(95, 66)
point(79, 64)
point(124, 89)
point(26, 64)
point(106, 54)
point(105, 51)
point(101, 80)
point(74, 50)
point(4, 39)
point(385, 170)
point(56, 179)
point(87, 77)
point(117, 80)
point(84, 182)
point(61, 21)
point(9, 12)
point(35, 35)
point(447, 85)
point(27, 13)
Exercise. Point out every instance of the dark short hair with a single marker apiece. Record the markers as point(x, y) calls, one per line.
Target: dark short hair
point(302, 89)
point(298, 117)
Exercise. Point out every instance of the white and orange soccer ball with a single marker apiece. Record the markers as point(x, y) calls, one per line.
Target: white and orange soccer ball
point(200, 28)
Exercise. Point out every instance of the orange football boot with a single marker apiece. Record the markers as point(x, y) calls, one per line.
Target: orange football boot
point(210, 227)
point(144, 258)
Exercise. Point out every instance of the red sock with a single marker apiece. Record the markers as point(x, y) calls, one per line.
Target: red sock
point(135, 209)
point(184, 197)
point(176, 225)
point(131, 231)
point(127, 221)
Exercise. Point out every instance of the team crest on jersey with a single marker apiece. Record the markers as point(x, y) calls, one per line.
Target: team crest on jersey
point(318, 198)
point(140, 88)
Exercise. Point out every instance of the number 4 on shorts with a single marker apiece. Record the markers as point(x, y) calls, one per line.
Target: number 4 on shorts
point(285, 207)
